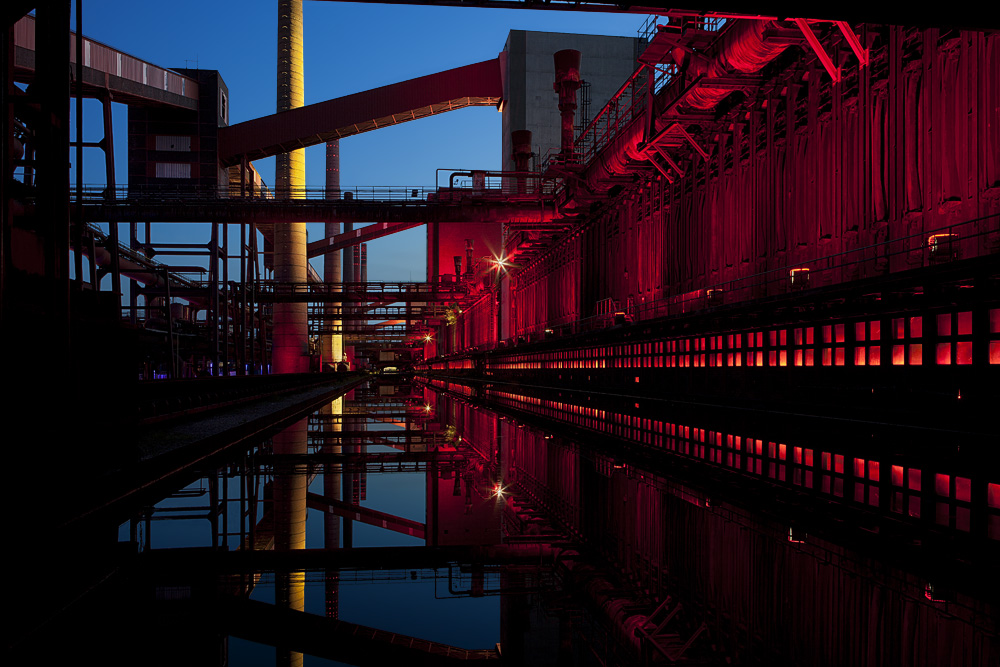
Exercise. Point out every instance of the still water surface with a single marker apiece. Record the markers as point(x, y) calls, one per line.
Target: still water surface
point(568, 531)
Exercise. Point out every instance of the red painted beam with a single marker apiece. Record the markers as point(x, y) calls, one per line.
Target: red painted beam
point(366, 515)
point(360, 235)
point(472, 85)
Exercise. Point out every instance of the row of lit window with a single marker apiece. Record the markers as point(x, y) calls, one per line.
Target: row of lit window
point(906, 346)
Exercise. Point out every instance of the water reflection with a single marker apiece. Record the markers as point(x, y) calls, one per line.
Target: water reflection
point(427, 524)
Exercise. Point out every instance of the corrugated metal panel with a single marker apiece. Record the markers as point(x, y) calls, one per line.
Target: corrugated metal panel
point(169, 143)
point(104, 58)
point(24, 33)
point(477, 84)
point(173, 169)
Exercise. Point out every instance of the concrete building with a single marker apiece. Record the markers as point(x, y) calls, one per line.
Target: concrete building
point(530, 103)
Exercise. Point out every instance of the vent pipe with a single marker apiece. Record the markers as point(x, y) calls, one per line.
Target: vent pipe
point(567, 83)
point(521, 142)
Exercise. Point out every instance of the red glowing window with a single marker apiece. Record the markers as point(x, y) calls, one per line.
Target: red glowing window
point(995, 320)
point(781, 452)
point(859, 331)
point(827, 333)
point(838, 333)
point(825, 460)
point(838, 358)
point(760, 339)
point(965, 323)
point(772, 337)
point(784, 334)
point(897, 475)
point(913, 479)
point(798, 357)
point(898, 332)
point(993, 495)
point(963, 354)
point(897, 355)
point(963, 489)
point(944, 324)
point(798, 336)
point(838, 464)
point(809, 336)
point(916, 327)
point(995, 352)
point(809, 457)
point(771, 447)
point(810, 354)
point(873, 471)
point(797, 453)
point(859, 356)
point(942, 484)
point(916, 354)
point(859, 468)
point(943, 354)
point(875, 330)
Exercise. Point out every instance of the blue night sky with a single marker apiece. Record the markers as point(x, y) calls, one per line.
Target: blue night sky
point(348, 48)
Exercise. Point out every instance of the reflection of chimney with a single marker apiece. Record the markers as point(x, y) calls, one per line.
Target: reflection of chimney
point(364, 262)
point(567, 83)
point(468, 257)
point(289, 512)
point(458, 266)
point(521, 141)
point(332, 483)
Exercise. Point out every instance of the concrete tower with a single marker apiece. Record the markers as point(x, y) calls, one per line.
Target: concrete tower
point(291, 332)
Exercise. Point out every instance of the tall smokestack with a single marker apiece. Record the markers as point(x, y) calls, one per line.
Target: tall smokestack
point(567, 83)
point(291, 331)
point(333, 344)
point(349, 277)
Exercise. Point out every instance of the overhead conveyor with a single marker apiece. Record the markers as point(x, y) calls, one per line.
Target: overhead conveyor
point(110, 71)
point(472, 85)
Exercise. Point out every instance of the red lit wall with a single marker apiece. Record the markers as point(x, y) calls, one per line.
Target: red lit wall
point(898, 150)
point(445, 241)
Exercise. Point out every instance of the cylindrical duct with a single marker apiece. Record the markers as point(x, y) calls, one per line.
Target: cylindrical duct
point(567, 82)
point(290, 342)
point(744, 49)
